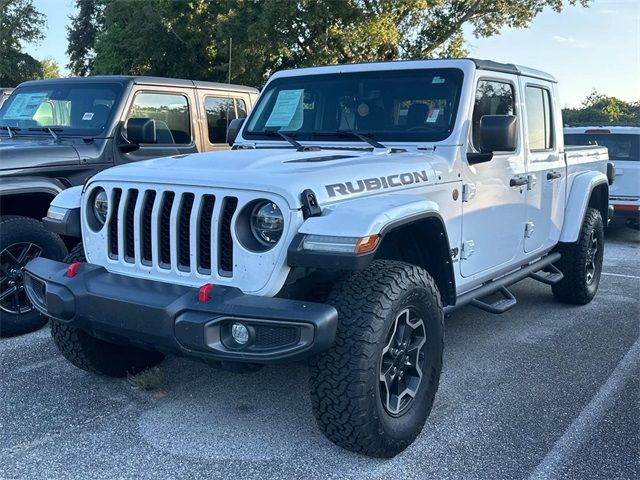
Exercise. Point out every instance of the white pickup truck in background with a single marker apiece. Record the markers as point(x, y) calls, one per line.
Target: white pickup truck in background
point(623, 144)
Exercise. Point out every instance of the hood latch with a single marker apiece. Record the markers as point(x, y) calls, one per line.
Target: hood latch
point(310, 207)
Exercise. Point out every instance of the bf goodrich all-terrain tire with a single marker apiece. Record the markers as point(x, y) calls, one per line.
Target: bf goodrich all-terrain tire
point(581, 262)
point(389, 340)
point(21, 240)
point(96, 355)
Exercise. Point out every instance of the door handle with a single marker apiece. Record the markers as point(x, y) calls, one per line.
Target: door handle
point(518, 181)
point(553, 175)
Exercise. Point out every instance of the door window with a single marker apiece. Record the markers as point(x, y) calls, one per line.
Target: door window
point(539, 124)
point(220, 111)
point(241, 108)
point(492, 98)
point(171, 113)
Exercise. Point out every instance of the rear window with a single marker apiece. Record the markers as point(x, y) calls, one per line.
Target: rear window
point(621, 146)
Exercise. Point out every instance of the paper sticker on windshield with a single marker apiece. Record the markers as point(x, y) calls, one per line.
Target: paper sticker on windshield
point(438, 80)
point(87, 116)
point(25, 105)
point(433, 115)
point(288, 108)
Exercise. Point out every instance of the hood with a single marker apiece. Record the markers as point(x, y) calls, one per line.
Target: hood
point(333, 175)
point(22, 153)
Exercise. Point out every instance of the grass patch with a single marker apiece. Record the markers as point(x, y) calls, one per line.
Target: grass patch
point(149, 380)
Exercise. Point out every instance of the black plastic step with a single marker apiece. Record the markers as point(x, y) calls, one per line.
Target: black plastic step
point(499, 306)
point(549, 278)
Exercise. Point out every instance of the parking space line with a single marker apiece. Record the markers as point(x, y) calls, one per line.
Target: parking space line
point(620, 275)
point(582, 427)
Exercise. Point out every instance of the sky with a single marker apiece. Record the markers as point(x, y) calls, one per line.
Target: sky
point(584, 48)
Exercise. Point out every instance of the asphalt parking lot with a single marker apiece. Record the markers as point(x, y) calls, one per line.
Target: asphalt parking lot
point(543, 391)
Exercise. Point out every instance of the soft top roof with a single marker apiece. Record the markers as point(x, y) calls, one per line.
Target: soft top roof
point(144, 80)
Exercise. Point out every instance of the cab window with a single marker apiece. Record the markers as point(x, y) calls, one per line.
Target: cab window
point(492, 98)
point(170, 112)
point(539, 118)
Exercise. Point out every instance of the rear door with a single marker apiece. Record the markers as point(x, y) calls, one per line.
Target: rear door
point(546, 168)
point(219, 109)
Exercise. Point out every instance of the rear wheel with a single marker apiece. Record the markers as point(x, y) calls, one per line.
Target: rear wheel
point(21, 240)
point(581, 262)
point(95, 355)
point(373, 390)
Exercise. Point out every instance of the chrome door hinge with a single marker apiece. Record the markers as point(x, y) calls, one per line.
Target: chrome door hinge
point(529, 227)
point(468, 192)
point(467, 249)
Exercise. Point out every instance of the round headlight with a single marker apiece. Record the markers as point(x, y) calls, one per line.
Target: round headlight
point(100, 205)
point(267, 223)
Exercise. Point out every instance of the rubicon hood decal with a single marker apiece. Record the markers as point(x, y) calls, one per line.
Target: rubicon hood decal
point(376, 183)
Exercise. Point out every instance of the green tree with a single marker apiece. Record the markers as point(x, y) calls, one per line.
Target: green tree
point(20, 23)
point(50, 68)
point(600, 109)
point(81, 35)
point(191, 38)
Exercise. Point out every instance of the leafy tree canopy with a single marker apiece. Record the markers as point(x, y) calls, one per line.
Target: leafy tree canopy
point(50, 68)
point(191, 38)
point(20, 23)
point(600, 109)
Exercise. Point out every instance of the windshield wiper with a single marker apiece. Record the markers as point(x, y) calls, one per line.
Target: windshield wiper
point(365, 137)
point(10, 130)
point(52, 131)
point(278, 133)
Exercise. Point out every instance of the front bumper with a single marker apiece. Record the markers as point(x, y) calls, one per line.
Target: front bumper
point(170, 318)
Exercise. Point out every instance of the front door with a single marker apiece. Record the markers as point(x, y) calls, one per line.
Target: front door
point(174, 113)
point(493, 210)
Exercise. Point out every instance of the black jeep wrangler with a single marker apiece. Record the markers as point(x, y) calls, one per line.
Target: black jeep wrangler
point(55, 134)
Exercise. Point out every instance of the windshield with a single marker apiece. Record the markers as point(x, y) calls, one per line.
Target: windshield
point(81, 109)
point(400, 105)
point(621, 146)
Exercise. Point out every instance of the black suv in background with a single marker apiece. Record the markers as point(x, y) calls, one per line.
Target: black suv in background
point(55, 134)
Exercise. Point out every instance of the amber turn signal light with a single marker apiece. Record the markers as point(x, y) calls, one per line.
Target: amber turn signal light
point(367, 244)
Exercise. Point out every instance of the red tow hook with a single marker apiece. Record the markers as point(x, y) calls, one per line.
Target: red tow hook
point(73, 269)
point(203, 293)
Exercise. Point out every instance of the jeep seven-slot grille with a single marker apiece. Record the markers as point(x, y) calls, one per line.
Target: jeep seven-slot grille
point(168, 224)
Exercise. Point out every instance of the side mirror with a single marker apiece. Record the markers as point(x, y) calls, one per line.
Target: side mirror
point(498, 133)
point(234, 128)
point(141, 130)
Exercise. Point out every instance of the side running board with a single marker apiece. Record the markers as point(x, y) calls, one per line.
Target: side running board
point(499, 306)
point(550, 278)
point(474, 297)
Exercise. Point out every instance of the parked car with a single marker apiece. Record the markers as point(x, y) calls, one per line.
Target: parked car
point(623, 144)
point(55, 134)
point(359, 205)
point(4, 94)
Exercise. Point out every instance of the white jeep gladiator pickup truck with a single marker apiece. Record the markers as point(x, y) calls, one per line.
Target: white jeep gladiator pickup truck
point(359, 205)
